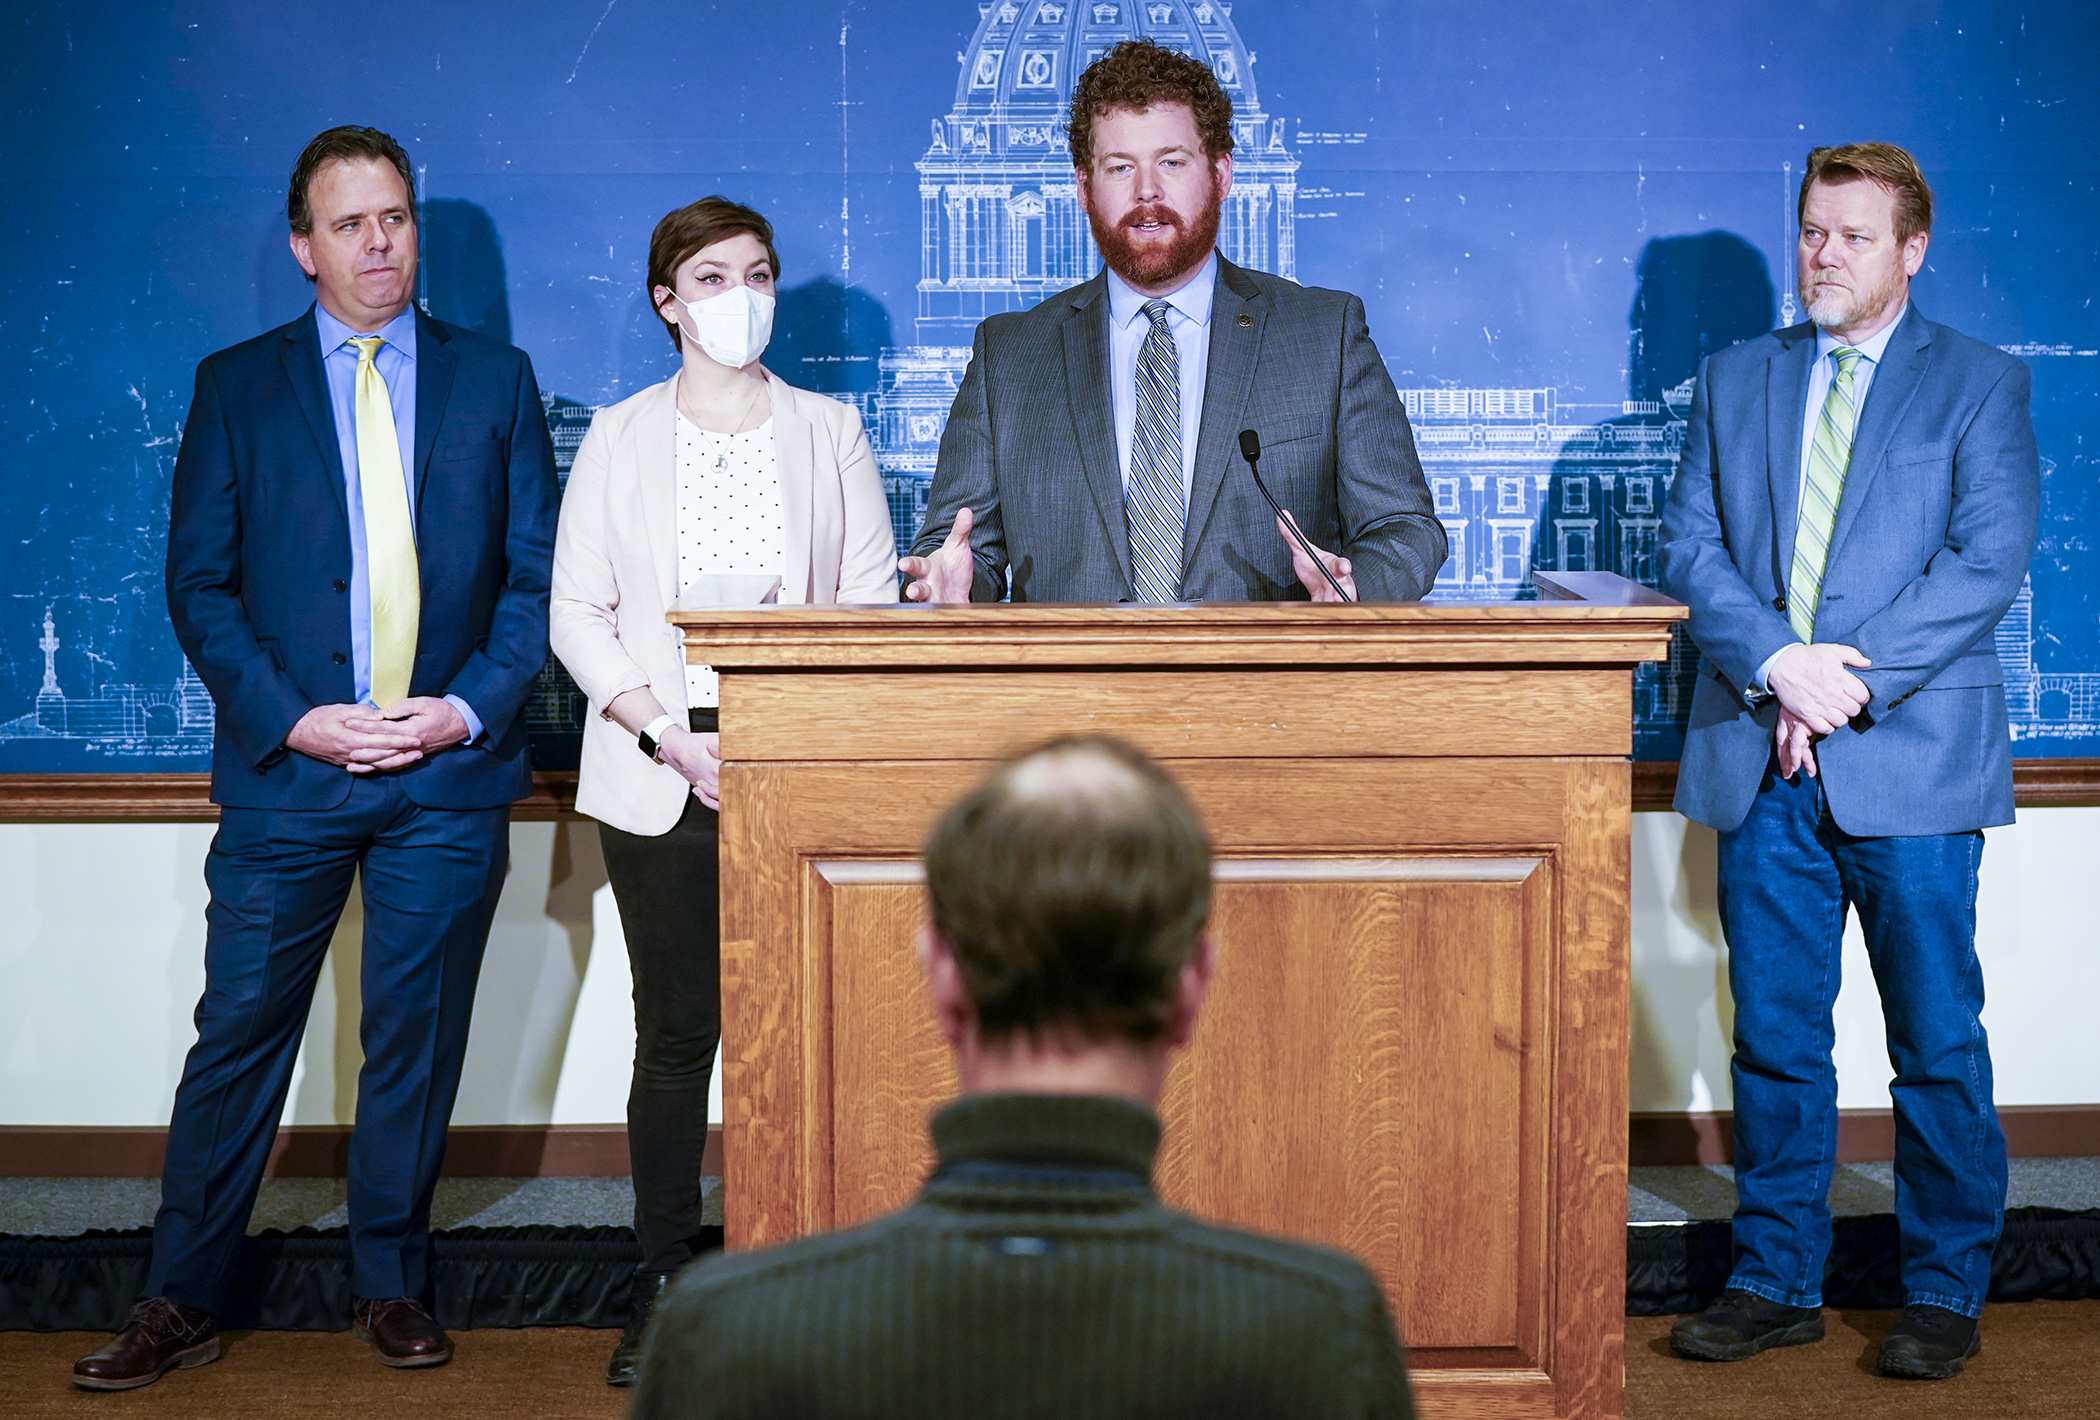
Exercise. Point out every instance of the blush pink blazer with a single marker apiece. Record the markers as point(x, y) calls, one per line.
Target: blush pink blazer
point(616, 569)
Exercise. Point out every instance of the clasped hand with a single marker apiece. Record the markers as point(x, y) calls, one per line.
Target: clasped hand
point(1817, 692)
point(698, 757)
point(365, 739)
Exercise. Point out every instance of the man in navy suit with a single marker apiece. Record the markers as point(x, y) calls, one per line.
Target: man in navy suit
point(1854, 513)
point(359, 548)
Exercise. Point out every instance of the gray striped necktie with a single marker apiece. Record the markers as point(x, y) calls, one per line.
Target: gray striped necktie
point(1154, 506)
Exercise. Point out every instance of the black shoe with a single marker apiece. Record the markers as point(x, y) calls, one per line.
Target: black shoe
point(1929, 1344)
point(643, 1294)
point(1740, 1324)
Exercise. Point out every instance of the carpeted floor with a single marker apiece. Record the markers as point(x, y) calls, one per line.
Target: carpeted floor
point(2041, 1361)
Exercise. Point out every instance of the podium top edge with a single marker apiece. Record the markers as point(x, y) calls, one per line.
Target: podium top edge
point(1261, 617)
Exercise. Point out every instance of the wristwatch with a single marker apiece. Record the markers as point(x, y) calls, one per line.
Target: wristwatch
point(651, 737)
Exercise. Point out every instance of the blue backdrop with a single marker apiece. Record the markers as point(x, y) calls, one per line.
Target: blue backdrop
point(1551, 211)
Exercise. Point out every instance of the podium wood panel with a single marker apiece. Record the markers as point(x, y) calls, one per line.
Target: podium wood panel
point(1415, 1047)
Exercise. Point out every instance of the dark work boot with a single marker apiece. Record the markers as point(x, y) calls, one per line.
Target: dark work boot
point(1740, 1324)
point(1929, 1344)
point(643, 1293)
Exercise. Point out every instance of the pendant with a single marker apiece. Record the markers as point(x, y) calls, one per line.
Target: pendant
point(721, 463)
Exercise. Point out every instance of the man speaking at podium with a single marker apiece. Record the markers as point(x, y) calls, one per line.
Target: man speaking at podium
point(1094, 449)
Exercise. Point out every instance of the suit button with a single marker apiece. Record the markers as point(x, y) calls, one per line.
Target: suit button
point(339, 658)
point(1779, 603)
point(339, 585)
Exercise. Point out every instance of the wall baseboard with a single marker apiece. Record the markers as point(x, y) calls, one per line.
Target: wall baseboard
point(2032, 1131)
point(323, 1151)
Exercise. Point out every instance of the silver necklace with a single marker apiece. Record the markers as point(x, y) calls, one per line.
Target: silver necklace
point(722, 452)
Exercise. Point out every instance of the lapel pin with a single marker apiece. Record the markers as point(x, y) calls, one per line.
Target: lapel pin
point(1245, 321)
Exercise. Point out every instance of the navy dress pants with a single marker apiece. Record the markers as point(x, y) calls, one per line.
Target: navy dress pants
point(1786, 876)
point(279, 880)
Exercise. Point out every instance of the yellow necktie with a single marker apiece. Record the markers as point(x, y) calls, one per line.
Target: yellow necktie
point(1829, 455)
point(390, 539)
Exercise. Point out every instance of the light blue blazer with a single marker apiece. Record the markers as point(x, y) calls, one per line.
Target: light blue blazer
point(1933, 536)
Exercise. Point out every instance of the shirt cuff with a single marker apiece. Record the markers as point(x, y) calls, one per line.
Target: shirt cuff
point(466, 712)
point(1764, 672)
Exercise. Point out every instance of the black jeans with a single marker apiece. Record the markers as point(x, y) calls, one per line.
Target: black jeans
point(669, 890)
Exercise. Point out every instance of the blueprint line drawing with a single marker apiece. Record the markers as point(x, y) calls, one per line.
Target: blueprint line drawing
point(1526, 476)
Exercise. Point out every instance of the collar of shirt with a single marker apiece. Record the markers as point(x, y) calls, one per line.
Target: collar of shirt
point(1872, 347)
point(398, 333)
point(1193, 300)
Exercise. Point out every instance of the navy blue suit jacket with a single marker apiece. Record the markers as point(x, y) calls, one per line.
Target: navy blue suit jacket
point(259, 561)
point(1934, 531)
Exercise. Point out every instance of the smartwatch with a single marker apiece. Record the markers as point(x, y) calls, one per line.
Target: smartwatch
point(651, 737)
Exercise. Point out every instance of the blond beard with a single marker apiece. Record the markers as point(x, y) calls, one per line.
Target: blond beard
point(1834, 307)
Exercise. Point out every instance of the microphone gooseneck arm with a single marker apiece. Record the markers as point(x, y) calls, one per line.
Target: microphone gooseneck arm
point(1250, 450)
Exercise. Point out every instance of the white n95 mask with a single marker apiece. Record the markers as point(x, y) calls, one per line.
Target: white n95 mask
point(732, 328)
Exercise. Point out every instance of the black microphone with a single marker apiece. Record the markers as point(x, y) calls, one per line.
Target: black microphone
point(1250, 450)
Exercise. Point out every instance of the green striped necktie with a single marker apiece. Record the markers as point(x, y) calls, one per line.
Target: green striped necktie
point(1828, 457)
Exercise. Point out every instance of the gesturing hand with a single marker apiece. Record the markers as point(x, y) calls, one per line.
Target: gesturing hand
point(1796, 744)
point(699, 758)
point(945, 575)
point(356, 737)
point(1813, 683)
point(1308, 572)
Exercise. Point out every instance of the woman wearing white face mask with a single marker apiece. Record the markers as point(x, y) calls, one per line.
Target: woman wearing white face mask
point(722, 468)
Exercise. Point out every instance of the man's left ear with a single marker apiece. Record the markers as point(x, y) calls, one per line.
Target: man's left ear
point(1190, 989)
point(954, 1013)
point(1914, 253)
point(1221, 170)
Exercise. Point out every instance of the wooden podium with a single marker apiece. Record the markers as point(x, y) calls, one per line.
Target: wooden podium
point(1416, 1045)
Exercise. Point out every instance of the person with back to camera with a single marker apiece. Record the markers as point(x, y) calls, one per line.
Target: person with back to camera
point(723, 468)
point(1037, 1274)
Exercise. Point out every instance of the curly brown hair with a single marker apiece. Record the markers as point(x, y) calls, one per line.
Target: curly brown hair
point(1138, 74)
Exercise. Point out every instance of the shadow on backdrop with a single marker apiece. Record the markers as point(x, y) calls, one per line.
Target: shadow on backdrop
point(463, 278)
point(828, 337)
point(1696, 295)
point(1602, 509)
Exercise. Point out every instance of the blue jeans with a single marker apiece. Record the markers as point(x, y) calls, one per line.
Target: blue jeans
point(1786, 876)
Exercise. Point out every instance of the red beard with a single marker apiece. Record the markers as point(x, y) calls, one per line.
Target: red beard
point(1153, 263)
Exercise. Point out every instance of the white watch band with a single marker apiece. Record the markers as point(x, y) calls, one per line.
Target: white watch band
point(654, 731)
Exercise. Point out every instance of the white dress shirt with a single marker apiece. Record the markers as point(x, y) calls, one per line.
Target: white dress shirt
point(1821, 376)
point(1188, 319)
point(730, 518)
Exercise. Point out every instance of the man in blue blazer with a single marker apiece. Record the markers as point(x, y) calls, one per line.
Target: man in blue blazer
point(359, 548)
point(1853, 515)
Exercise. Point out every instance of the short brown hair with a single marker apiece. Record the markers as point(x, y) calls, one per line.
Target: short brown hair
point(693, 228)
point(1882, 163)
point(335, 145)
point(1137, 74)
point(1070, 886)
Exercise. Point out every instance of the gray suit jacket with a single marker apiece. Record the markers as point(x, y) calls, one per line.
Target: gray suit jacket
point(1933, 536)
point(1030, 450)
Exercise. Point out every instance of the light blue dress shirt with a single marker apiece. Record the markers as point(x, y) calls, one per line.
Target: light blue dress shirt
point(1821, 376)
point(397, 366)
point(1188, 319)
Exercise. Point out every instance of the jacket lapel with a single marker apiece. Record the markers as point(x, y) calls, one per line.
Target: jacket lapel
point(1786, 389)
point(1087, 396)
point(1903, 362)
point(656, 468)
point(435, 364)
point(1234, 350)
point(794, 439)
point(302, 367)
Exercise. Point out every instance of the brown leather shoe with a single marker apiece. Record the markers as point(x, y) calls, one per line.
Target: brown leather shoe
point(401, 1332)
point(157, 1337)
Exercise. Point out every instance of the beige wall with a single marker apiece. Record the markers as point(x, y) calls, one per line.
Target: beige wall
point(101, 942)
